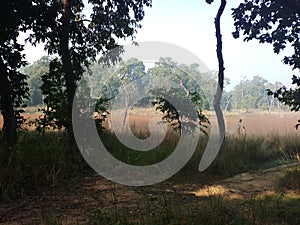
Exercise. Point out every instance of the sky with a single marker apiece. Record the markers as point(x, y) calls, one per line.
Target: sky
point(190, 24)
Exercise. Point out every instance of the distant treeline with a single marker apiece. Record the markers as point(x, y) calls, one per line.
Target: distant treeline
point(248, 94)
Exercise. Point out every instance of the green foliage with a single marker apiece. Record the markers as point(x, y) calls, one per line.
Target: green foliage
point(181, 89)
point(13, 86)
point(275, 22)
point(55, 99)
point(290, 97)
point(251, 94)
point(183, 115)
point(132, 74)
point(34, 73)
point(78, 40)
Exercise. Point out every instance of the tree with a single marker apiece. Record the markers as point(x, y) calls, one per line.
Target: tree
point(34, 73)
point(185, 92)
point(78, 39)
point(132, 71)
point(251, 94)
point(290, 97)
point(16, 17)
point(212, 150)
point(220, 88)
point(278, 23)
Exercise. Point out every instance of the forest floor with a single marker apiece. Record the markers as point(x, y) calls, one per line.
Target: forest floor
point(77, 202)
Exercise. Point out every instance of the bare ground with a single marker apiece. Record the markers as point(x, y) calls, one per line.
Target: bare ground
point(76, 202)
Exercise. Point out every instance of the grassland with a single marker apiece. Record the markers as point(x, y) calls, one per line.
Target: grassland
point(41, 185)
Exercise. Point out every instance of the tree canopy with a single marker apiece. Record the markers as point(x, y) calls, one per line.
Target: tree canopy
point(16, 17)
point(276, 22)
point(67, 32)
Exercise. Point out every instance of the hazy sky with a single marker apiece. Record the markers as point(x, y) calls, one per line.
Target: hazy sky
point(190, 24)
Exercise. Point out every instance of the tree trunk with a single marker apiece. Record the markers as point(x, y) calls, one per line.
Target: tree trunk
point(220, 88)
point(227, 103)
point(68, 67)
point(127, 101)
point(7, 108)
point(215, 143)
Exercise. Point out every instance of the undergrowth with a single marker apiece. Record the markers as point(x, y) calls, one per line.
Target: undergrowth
point(36, 161)
point(164, 210)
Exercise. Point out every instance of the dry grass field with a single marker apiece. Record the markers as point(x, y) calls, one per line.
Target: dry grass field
point(256, 123)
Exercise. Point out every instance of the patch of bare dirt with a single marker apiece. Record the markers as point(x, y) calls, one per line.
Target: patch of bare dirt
point(77, 201)
point(247, 185)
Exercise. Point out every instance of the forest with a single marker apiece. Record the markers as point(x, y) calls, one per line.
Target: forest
point(249, 94)
point(91, 135)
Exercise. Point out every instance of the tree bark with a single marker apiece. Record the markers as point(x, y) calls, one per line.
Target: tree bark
point(68, 67)
point(218, 96)
point(215, 143)
point(7, 104)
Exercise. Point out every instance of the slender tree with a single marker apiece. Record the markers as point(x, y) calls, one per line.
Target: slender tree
point(220, 88)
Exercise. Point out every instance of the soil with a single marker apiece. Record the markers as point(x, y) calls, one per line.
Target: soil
point(76, 202)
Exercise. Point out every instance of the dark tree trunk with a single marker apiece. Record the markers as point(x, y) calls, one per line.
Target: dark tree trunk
point(7, 108)
point(220, 88)
point(215, 143)
point(68, 67)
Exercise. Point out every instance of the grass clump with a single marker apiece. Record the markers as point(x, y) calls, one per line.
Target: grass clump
point(35, 162)
point(290, 179)
point(273, 209)
point(248, 153)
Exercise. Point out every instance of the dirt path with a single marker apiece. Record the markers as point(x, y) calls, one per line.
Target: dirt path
point(247, 185)
point(75, 203)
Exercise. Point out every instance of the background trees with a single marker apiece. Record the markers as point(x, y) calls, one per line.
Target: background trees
point(249, 94)
point(78, 38)
point(35, 71)
point(278, 23)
